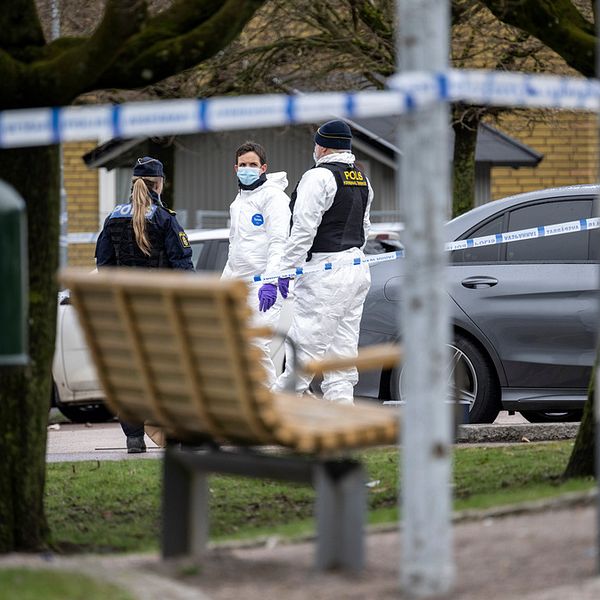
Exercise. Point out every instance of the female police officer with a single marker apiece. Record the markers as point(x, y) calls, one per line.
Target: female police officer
point(143, 233)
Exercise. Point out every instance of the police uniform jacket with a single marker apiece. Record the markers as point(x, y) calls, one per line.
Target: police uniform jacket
point(323, 221)
point(170, 248)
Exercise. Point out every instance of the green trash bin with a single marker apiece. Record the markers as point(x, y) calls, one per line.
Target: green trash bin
point(13, 279)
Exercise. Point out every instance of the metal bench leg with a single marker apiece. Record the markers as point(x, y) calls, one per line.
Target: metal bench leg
point(184, 509)
point(340, 512)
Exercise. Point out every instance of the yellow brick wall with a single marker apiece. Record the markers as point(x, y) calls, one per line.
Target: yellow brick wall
point(569, 143)
point(81, 185)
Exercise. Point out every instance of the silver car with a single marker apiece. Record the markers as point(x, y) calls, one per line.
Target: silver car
point(524, 313)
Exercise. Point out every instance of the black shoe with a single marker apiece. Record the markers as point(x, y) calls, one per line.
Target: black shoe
point(135, 445)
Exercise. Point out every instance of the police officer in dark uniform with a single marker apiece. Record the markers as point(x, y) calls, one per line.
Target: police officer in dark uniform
point(143, 233)
point(330, 224)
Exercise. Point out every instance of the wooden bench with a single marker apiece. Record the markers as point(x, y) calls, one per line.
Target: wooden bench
point(174, 350)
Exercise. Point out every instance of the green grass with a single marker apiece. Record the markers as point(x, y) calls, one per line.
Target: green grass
point(33, 584)
point(114, 506)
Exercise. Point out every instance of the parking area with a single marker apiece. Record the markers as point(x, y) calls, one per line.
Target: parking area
point(105, 441)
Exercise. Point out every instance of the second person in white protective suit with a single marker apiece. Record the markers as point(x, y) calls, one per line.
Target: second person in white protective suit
point(260, 224)
point(330, 209)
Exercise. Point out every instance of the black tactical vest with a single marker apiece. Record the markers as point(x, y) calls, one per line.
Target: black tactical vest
point(342, 226)
point(128, 252)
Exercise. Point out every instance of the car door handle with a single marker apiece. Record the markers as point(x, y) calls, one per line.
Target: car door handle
point(475, 283)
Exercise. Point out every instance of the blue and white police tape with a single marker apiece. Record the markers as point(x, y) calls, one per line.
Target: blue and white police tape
point(498, 88)
point(525, 234)
point(409, 91)
point(328, 266)
point(487, 240)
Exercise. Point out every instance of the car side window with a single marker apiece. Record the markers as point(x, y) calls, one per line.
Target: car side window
point(381, 246)
point(565, 247)
point(198, 250)
point(595, 245)
point(221, 255)
point(481, 253)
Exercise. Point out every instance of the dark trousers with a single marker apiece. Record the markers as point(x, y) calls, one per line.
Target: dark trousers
point(132, 429)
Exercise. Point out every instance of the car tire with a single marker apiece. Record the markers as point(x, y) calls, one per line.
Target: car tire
point(85, 413)
point(540, 416)
point(482, 392)
point(96, 412)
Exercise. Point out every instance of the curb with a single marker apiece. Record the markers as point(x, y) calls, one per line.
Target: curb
point(517, 432)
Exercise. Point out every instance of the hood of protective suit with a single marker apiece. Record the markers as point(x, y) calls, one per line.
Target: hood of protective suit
point(337, 157)
point(278, 180)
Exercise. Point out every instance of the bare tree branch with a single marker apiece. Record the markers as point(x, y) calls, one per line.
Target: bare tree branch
point(557, 23)
point(178, 39)
point(127, 50)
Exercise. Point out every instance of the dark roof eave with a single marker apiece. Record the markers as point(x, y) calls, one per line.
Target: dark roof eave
point(535, 156)
point(523, 155)
point(103, 154)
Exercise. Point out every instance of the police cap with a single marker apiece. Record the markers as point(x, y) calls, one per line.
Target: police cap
point(148, 167)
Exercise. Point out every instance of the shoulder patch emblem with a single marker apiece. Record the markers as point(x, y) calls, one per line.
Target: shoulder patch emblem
point(183, 238)
point(258, 219)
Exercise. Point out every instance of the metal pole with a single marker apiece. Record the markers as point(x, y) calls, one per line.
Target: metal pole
point(427, 567)
point(55, 19)
point(597, 373)
point(597, 463)
point(63, 255)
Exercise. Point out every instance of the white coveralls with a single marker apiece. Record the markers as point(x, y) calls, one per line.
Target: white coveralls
point(260, 224)
point(328, 305)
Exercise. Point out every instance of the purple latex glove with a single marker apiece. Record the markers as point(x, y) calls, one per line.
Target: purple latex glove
point(283, 283)
point(267, 295)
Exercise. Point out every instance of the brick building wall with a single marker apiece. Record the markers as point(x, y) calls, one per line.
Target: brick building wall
point(569, 143)
point(81, 185)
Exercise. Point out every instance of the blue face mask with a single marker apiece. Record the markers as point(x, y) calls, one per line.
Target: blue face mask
point(248, 175)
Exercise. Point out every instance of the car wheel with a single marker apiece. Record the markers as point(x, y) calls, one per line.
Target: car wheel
point(539, 416)
point(85, 413)
point(95, 412)
point(478, 384)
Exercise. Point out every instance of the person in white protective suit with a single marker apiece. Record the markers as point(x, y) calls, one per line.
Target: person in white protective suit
point(260, 224)
point(330, 224)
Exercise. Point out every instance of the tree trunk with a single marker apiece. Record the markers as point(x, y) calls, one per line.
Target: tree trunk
point(463, 184)
point(581, 461)
point(25, 395)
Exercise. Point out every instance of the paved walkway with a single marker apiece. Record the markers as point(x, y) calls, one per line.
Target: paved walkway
point(539, 552)
point(537, 555)
point(94, 441)
point(105, 441)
